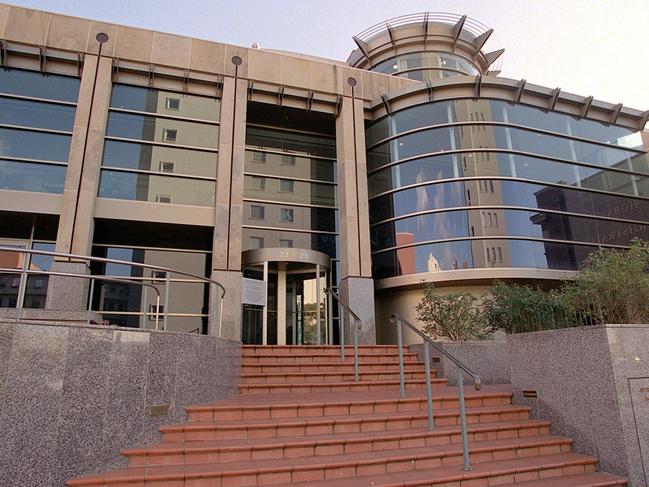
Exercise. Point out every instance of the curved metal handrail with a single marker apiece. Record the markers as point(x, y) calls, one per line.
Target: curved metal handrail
point(358, 325)
point(477, 381)
point(166, 270)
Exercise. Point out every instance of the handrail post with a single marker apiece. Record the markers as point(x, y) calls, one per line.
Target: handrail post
point(465, 439)
point(166, 303)
point(91, 292)
point(20, 300)
point(429, 392)
point(355, 350)
point(402, 383)
point(157, 312)
point(145, 307)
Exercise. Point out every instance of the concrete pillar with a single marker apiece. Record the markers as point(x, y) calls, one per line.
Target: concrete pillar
point(226, 256)
point(82, 176)
point(356, 284)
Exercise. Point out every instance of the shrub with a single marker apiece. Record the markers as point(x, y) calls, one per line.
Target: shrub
point(612, 286)
point(455, 316)
point(519, 309)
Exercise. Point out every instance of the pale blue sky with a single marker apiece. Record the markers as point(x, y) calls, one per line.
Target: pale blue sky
point(588, 47)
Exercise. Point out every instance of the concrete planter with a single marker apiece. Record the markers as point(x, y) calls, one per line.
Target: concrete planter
point(486, 357)
point(593, 384)
point(73, 396)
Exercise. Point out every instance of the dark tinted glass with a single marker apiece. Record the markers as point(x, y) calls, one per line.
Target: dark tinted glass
point(156, 129)
point(39, 85)
point(303, 192)
point(425, 59)
point(326, 243)
point(304, 218)
point(149, 157)
point(26, 176)
point(290, 166)
point(291, 142)
point(160, 189)
point(165, 102)
point(34, 145)
point(36, 114)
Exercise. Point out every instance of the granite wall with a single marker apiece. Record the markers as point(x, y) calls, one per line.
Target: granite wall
point(73, 396)
point(593, 384)
point(487, 358)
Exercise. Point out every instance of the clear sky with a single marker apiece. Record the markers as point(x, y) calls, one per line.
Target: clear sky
point(587, 47)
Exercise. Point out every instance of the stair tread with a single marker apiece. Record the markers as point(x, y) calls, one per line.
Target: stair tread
point(348, 418)
point(198, 470)
point(346, 382)
point(336, 438)
point(318, 374)
point(590, 479)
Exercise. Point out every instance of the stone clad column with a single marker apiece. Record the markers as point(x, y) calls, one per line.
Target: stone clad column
point(356, 283)
point(226, 252)
point(76, 220)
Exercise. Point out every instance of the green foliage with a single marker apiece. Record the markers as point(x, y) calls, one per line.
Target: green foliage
point(612, 286)
point(519, 309)
point(455, 316)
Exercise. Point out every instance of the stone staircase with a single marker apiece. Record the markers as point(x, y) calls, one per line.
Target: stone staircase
point(301, 420)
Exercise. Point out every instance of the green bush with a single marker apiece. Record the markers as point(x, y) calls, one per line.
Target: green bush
point(612, 286)
point(519, 309)
point(455, 316)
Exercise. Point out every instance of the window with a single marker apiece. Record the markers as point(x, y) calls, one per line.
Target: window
point(256, 243)
point(152, 311)
point(259, 157)
point(169, 135)
point(257, 212)
point(15, 282)
point(288, 160)
point(166, 166)
point(500, 255)
point(173, 103)
point(286, 243)
point(163, 198)
point(286, 215)
point(286, 185)
point(162, 275)
point(38, 283)
point(257, 183)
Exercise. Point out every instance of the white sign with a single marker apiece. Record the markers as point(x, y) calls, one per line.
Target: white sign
point(253, 291)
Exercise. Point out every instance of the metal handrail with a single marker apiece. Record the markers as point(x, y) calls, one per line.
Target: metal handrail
point(168, 271)
point(358, 325)
point(477, 382)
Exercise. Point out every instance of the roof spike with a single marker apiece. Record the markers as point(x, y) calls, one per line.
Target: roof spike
point(491, 57)
point(615, 114)
point(362, 46)
point(554, 97)
point(386, 104)
point(587, 104)
point(481, 40)
point(425, 27)
point(478, 83)
point(644, 119)
point(457, 29)
point(520, 87)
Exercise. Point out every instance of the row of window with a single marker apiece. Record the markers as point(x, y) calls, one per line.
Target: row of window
point(454, 65)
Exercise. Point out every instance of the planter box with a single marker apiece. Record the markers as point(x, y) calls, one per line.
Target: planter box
point(593, 384)
point(487, 358)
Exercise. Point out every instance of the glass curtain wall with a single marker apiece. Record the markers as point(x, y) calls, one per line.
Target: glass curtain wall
point(426, 65)
point(483, 183)
point(37, 113)
point(161, 146)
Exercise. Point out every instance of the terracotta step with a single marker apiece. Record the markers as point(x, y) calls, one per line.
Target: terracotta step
point(307, 406)
point(306, 469)
point(335, 376)
point(379, 385)
point(308, 358)
point(224, 430)
point(591, 479)
point(328, 367)
point(318, 349)
point(505, 472)
point(323, 445)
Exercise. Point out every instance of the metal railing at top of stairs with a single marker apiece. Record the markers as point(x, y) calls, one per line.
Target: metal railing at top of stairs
point(477, 382)
point(358, 324)
point(25, 271)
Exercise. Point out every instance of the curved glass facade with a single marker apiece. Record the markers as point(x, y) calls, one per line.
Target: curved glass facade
point(481, 183)
point(426, 65)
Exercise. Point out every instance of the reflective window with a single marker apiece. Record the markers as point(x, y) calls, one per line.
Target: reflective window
point(26, 176)
point(303, 192)
point(142, 127)
point(165, 102)
point(472, 164)
point(326, 243)
point(147, 157)
point(455, 65)
point(39, 85)
point(161, 189)
point(465, 110)
point(36, 114)
point(34, 145)
point(474, 254)
point(299, 144)
point(305, 218)
point(301, 167)
point(454, 138)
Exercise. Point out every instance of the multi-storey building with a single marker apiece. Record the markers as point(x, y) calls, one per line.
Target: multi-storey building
point(412, 162)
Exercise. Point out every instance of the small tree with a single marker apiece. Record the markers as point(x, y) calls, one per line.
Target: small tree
point(612, 286)
point(455, 316)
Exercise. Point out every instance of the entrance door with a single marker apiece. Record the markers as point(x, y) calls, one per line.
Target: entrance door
point(295, 310)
